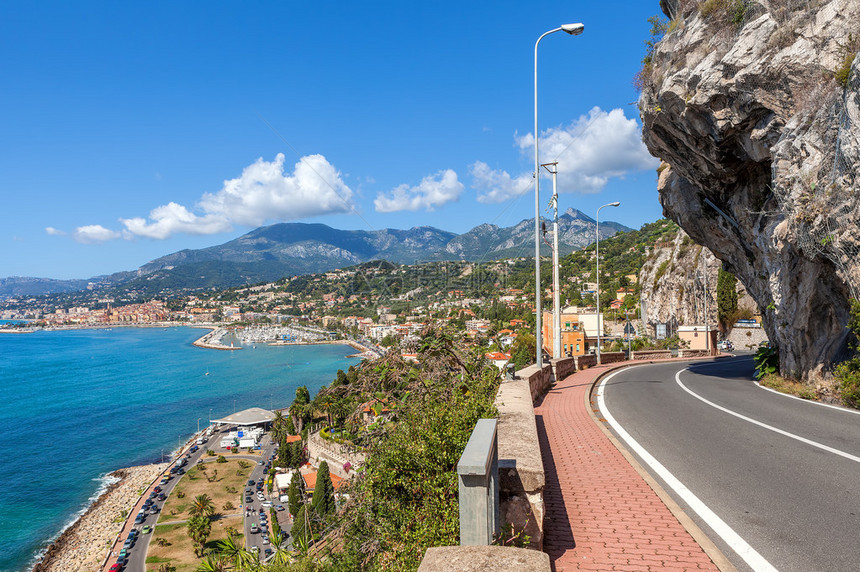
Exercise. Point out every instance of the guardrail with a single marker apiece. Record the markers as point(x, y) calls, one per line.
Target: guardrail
point(478, 476)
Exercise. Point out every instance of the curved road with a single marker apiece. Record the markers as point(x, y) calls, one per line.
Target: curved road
point(774, 481)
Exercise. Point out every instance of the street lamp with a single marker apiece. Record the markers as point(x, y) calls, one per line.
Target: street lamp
point(198, 424)
point(573, 30)
point(597, 257)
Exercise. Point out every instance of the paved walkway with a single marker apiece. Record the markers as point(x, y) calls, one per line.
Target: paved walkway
point(600, 513)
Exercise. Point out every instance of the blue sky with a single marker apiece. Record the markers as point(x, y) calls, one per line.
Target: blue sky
point(133, 130)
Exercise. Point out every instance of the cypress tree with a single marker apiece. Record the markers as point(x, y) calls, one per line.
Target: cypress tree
point(727, 298)
point(299, 531)
point(294, 495)
point(323, 501)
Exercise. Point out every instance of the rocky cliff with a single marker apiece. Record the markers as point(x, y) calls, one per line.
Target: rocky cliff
point(754, 107)
point(675, 288)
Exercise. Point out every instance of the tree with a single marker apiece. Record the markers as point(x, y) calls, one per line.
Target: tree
point(727, 299)
point(202, 506)
point(199, 527)
point(294, 495)
point(279, 426)
point(301, 527)
point(213, 564)
point(523, 350)
point(323, 501)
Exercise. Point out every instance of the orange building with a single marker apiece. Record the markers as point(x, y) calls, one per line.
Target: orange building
point(572, 335)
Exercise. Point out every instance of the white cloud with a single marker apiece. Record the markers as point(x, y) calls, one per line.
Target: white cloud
point(172, 218)
point(499, 185)
point(433, 191)
point(54, 231)
point(590, 151)
point(94, 233)
point(264, 192)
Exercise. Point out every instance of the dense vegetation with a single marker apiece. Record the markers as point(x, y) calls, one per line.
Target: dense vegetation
point(406, 497)
point(848, 372)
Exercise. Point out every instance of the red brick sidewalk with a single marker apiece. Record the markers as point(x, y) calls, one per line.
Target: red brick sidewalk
point(600, 513)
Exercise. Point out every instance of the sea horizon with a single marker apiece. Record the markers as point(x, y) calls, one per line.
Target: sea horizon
point(83, 403)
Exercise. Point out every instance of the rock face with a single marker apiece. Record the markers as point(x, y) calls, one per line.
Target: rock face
point(674, 288)
point(673, 284)
point(754, 107)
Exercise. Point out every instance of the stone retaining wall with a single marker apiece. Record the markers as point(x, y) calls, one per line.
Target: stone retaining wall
point(743, 338)
point(539, 380)
point(334, 454)
point(521, 474)
point(561, 368)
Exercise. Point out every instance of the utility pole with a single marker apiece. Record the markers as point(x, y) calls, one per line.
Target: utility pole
point(556, 308)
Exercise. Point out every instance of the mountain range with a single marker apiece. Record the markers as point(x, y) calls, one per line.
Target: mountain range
point(287, 249)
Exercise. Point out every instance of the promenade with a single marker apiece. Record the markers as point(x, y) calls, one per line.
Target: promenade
point(600, 513)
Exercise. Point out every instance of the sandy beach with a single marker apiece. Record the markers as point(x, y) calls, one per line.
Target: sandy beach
point(84, 545)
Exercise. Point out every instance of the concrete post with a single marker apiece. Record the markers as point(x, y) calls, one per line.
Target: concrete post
point(478, 476)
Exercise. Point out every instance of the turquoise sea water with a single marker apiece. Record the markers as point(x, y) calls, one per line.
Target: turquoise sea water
point(79, 404)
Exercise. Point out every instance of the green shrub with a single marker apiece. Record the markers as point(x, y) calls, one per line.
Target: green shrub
point(766, 361)
point(220, 459)
point(848, 372)
point(661, 270)
point(843, 74)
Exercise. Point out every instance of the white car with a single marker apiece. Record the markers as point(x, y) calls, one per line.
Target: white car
point(267, 504)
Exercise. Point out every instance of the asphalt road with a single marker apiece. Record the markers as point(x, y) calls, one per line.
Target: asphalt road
point(137, 554)
point(781, 473)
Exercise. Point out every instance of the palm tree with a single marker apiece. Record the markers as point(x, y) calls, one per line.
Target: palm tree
point(199, 528)
point(279, 427)
point(213, 564)
point(228, 548)
point(282, 556)
point(202, 506)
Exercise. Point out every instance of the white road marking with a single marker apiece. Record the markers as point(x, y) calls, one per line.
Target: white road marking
point(816, 444)
point(810, 401)
point(755, 560)
point(830, 405)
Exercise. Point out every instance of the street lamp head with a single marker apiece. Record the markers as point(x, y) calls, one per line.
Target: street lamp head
point(615, 204)
point(573, 29)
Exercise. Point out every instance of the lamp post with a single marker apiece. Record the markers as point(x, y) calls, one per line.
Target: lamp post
point(573, 30)
point(198, 424)
point(597, 257)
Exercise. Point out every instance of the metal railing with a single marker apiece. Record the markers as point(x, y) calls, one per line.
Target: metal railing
point(478, 476)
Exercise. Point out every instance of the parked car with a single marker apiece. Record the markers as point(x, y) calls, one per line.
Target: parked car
point(254, 529)
point(267, 504)
point(147, 529)
point(116, 567)
point(251, 482)
point(194, 448)
point(279, 507)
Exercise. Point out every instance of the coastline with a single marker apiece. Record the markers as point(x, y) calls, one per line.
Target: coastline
point(83, 546)
point(212, 340)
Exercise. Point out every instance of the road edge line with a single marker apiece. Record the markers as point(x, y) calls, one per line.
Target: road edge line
point(712, 550)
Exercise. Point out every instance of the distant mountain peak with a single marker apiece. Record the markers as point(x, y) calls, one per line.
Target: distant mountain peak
point(271, 252)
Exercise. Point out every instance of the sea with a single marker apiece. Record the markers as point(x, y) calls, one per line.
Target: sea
point(79, 404)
